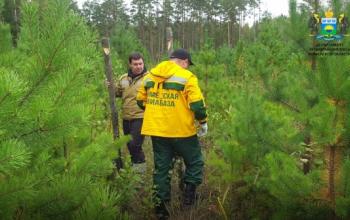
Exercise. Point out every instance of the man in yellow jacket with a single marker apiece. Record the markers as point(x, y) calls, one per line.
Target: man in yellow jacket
point(173, 101)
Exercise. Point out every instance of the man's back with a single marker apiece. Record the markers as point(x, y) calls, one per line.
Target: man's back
point(169, 92)
point(172, 101)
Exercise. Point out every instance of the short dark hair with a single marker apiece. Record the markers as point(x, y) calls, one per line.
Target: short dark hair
point(135, 56)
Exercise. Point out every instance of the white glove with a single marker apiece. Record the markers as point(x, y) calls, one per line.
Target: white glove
point(203, 130)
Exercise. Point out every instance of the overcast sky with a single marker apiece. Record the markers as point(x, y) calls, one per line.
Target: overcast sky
point(275, 7)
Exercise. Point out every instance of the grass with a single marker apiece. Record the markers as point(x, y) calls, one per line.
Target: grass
point(142, 206)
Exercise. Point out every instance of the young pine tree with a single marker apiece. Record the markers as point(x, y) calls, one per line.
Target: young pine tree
point(52, 163)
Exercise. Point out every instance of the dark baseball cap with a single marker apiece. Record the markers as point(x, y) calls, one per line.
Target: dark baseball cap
point(181, 54)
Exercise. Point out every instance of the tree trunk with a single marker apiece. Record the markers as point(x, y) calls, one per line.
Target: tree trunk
point(331, 174)
point(334, 154)
point(206, 81)
point(307, 155)
point(228, 34)
point(151, 44)
point(183, 28)
point(111, 92)
point(169, 40)
point(16, 22)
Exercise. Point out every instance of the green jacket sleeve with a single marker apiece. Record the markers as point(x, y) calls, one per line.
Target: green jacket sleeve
point(195, 99)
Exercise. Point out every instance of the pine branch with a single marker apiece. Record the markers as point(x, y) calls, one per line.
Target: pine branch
point(85, 164)
point(259, 137)
point(49, 65)
point(13, 191)
point(35, 46)
point(71, 209)
point(4, 97)
point(47, 203)
point(65, 37)
point(13, 156)
point(10, 157)
point(58, 198)
point(18, 189)
point(61, 95)
point(42, 130)
point(291, 107)
point(63, 194)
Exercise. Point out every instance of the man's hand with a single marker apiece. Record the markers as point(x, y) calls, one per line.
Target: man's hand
point(203, 130)
point(107, 83)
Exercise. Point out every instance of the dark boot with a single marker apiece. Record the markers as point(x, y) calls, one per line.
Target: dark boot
point(189, 194)
point(161, 211)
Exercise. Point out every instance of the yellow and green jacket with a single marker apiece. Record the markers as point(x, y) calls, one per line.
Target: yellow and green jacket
point(172, 101)
point(127, 88)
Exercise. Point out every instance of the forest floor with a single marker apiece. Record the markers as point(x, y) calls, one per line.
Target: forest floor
point(205, 207)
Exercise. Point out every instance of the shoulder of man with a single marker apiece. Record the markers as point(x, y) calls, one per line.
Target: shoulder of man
point(123, 76)
point(187, 74)
point(144, 74)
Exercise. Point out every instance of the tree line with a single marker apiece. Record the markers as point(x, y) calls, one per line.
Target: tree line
point(193, 22)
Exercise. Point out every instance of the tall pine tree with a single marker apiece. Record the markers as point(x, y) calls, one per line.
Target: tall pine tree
point(52, 163)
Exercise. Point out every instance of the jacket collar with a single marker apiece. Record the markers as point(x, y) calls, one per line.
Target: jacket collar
point(132, 76)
